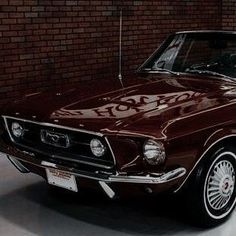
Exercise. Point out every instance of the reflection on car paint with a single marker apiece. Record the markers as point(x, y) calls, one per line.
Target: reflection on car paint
point(126, 106)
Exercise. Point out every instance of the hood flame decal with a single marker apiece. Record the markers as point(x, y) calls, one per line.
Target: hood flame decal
point(125, 107)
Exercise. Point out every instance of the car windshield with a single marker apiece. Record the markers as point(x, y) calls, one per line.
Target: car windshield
point(200, 53)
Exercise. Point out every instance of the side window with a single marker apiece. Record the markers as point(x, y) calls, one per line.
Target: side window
point(195, 52)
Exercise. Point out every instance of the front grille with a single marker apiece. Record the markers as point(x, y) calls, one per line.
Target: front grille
point(77, 152)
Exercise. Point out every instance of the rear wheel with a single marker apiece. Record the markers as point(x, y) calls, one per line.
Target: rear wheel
point(213, 190)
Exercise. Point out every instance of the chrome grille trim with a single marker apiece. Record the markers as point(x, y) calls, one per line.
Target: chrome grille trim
point(112, 153)
point(64, 128)
point(51, 125)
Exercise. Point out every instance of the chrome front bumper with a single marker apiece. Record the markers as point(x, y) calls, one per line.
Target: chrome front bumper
point(102, 177)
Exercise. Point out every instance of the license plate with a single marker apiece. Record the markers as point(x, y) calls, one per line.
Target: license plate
point(61, 179)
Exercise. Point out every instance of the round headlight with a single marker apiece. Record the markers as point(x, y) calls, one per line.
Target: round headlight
point(154, 152)
point(17, 129)
point(97, 148)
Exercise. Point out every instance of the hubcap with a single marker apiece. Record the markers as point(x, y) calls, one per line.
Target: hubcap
point(220, 185)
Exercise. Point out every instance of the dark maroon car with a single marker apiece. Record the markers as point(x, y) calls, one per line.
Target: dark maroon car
point(170, 128)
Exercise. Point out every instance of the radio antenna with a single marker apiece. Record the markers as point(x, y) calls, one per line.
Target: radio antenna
point(120, 50)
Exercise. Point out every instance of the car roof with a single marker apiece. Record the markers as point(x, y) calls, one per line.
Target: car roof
point(206, 32)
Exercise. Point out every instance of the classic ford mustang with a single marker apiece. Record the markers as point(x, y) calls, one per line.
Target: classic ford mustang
point(169, 128)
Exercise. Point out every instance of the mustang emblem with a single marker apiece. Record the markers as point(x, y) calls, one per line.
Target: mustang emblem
point(55, 139)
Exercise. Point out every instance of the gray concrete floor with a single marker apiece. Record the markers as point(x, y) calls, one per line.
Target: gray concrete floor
point(29, 207)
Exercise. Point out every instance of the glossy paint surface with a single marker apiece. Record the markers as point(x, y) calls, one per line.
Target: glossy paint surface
point(187, 112)
point(156, 105)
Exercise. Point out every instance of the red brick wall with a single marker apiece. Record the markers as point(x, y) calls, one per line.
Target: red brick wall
point(44, 43)
point(229, 14)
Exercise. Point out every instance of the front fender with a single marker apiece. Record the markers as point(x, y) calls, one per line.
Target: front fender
point(217, 138)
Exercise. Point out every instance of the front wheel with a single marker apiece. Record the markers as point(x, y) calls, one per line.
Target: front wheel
point(213, 190)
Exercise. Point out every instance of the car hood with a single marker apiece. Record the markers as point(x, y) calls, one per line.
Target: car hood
point(143, 107)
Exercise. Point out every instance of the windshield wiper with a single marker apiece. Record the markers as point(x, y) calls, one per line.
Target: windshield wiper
point(200, 66)
point(157, 70)
point(209, 72)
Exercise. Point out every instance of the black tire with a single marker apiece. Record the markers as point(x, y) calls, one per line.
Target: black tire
point(212, 190)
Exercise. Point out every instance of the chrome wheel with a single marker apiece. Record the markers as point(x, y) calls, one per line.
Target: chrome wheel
point(213, 192)
point(220, 185)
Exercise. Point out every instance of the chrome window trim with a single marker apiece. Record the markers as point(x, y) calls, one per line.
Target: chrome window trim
point(201, 157)
point(65, 128)
point(206, 31)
